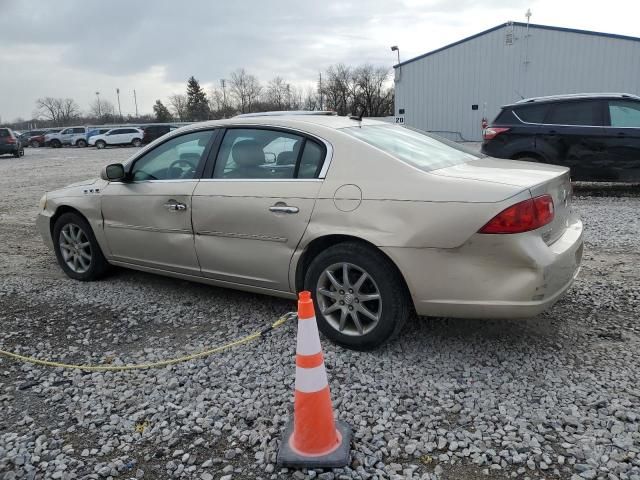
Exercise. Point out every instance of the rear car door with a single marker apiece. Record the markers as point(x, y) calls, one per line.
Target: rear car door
point(114, 136)
point(250, 214)
point(574, 135)
point(147, 219)
point(623, 140)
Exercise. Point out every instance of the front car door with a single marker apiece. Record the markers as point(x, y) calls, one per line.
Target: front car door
point(147, 219)
point(574, 133)
point(250, 214)
point(113, 137)
point(623, 139)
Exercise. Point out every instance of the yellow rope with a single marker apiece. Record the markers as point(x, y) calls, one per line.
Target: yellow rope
point(162, 363)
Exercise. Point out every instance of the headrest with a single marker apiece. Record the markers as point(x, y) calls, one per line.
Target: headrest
point(247, 153)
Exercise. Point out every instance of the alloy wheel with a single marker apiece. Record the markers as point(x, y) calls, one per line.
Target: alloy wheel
point(75, 248)
point(349, 299)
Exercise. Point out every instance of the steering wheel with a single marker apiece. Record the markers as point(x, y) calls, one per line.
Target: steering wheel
point(180, 163)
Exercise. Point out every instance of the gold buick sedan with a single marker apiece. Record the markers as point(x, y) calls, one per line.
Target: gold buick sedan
point(376, 220)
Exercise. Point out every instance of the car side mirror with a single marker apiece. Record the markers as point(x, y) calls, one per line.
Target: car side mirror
point(113, 173)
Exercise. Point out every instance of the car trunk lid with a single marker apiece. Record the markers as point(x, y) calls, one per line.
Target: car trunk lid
point(538, 178)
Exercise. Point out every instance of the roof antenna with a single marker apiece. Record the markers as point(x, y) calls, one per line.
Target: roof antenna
point(357, 117)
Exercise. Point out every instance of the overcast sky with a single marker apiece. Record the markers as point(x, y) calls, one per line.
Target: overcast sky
point(70, 48)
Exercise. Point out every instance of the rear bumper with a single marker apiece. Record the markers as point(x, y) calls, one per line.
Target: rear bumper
point(492, 276)
point(4, 149)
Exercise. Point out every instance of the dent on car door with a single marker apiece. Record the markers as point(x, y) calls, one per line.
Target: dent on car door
point(147, 219)
point(575, 133)
point(249, 217)
point(623, 139)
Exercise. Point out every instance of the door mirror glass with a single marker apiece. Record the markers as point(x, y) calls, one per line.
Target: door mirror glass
point(114, 172)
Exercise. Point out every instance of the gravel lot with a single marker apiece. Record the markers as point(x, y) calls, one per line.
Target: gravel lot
point(557, 396)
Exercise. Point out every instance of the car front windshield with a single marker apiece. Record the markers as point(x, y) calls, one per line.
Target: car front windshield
point(414, 147)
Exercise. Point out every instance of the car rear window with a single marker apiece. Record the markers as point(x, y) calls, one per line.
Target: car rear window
point(4, 133)
point(414, 147)
point(532, 113)
point(576, 113)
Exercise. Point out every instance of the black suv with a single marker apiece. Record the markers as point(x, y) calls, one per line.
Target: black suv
point(10, 143)
point(596, 135)
point(151, 132)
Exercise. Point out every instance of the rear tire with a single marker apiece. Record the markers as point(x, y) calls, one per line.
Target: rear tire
point(19, 153)
point(55, 144)
point(136, 142)
point(345, 308)
point(77, 250)
point(34, 144)
point(81, 143)
point(529, 158)
point(100, 144)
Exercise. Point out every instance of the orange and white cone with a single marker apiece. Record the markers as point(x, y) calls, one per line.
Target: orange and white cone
point(314, 439)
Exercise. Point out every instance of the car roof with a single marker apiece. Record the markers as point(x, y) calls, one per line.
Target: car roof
point(571, 96)
point(290, 120)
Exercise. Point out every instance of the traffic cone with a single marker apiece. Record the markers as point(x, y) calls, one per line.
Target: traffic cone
point(314, 439)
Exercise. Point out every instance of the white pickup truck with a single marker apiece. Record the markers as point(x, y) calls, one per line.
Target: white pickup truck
point(69, 136)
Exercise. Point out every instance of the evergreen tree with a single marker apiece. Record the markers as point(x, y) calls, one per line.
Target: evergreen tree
point(161, 112)
point(197, 105)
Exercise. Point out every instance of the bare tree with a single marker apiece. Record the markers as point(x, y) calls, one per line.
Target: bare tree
point(60, 111)
point(277, 93)
point(102, 109)
point(245, 88)
point(373, 95)
point(69, 111)
point(178, 103)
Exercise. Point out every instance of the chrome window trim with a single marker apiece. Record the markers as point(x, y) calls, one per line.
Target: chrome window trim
point(321, 176)
point(261, 180)
point(559, 124)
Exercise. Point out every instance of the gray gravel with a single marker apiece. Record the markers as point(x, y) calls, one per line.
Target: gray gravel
point(553, 397)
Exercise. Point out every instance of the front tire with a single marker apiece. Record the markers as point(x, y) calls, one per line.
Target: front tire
point(77, 250)
point(34, 144)
point(100, 144)
point(136, 142)
point(56, 144)
point(81, 143)
point(360, 298)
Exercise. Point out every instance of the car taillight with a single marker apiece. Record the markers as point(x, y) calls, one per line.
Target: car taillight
point(522, 217)
point(10, 139)
point(493, 132)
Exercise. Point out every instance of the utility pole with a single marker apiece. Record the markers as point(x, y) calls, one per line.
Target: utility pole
point(223, 83)
point(99, 110)
point(135, 100)
point(119, 109)
point(320, 91)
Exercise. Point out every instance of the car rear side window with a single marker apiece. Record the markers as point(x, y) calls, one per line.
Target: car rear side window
point(532, 113)
point(413, 147)
point(254, 154)
point(576, 113)
point(624, 113)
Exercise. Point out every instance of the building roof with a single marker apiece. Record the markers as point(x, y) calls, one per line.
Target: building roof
point(519, 24)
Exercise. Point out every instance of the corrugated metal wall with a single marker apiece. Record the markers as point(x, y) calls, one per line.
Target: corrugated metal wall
point(437, 92)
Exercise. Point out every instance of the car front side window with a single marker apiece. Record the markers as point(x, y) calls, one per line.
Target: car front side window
point(177, 159)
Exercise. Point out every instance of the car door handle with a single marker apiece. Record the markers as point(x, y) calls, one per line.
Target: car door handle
point(175, 206)
point(283, 208)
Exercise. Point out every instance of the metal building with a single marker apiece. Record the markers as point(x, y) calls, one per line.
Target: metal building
point(450, 90)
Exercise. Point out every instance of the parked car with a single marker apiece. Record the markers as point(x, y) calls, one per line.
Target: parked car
point(151, 132)
point(97, 131)
point(10, 143)
point(118, 136)
point(76, 136)
point(36, 141)
point(596, 135)
point(25, 137)
point(375, 219)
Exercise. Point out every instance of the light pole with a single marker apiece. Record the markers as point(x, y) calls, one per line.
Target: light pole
point(119, 109)
point(135, 100)
point(99, 111)
point(395, 48)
